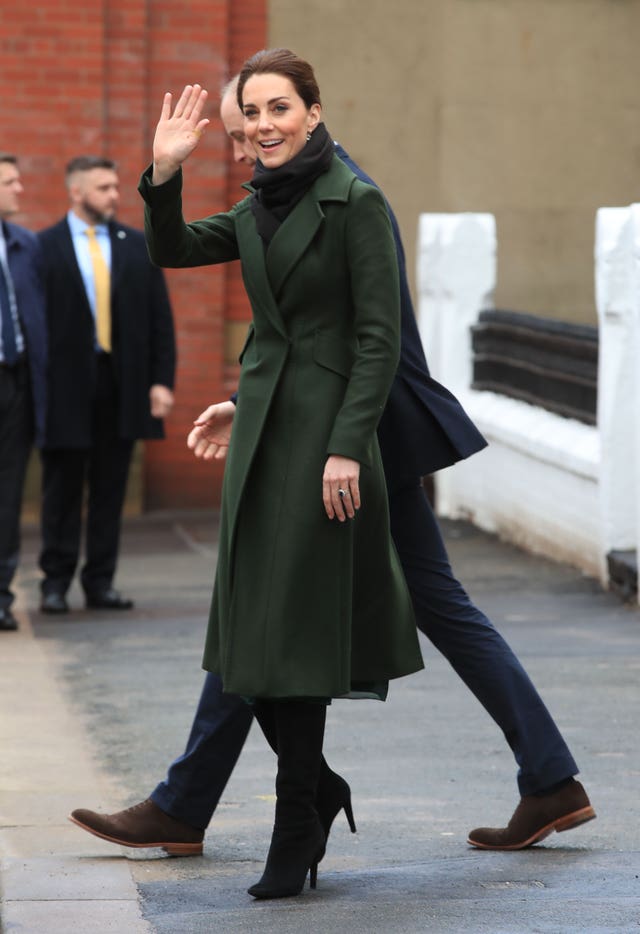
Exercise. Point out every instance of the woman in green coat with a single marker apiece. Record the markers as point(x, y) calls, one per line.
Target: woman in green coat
point(309, 600)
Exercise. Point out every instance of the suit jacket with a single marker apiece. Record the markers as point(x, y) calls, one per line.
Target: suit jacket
point(143, 341)
point(304, 606)
point(424, 428)
point(25, 264)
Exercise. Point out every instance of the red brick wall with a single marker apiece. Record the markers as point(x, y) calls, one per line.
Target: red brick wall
point(86, 78)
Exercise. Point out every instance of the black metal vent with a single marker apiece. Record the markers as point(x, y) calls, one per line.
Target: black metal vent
point(552, 364)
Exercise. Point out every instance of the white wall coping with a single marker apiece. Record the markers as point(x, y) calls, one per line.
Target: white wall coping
point(541, 435)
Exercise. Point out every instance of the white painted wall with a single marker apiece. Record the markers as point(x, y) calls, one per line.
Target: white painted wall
point(616, 304)
point(548, 483)
point(633, 407)
point(456, 279)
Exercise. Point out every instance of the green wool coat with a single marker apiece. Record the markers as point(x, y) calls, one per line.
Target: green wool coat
point(303, 605)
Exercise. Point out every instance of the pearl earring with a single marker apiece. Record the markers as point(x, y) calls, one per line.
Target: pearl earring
point(308, 136)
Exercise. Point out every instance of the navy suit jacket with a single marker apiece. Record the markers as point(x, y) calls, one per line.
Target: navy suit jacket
point(143, 342)
point(25, 265)
point(423, 428)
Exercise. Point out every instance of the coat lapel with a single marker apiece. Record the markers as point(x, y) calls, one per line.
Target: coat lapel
point(254, 270)
point(265, 276)
point(292, 239)
point(70, 261)
point(117, 236)
point(294, 236)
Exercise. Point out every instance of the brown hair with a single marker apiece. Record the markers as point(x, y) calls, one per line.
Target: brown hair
point(86, 163)
point(8, 157)
point(285, 63)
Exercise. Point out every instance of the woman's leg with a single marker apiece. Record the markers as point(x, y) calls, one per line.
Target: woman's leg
point(298, 839)
point(333, 793)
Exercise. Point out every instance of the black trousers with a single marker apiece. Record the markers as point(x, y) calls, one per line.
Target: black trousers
point(16, 438)
point(103, 469)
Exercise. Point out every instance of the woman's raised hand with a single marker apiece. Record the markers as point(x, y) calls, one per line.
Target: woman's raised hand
point(178, 133)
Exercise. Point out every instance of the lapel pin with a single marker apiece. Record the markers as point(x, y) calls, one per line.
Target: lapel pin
point(121, 235)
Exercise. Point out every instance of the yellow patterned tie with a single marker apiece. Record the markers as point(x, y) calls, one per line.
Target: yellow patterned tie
point(102, 285)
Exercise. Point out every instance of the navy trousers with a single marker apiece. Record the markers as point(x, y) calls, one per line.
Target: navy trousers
point(446, 615)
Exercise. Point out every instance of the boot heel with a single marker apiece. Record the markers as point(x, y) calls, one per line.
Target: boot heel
point(334, 795)
point(574, 820)
point(313, 875)
point(348, 810)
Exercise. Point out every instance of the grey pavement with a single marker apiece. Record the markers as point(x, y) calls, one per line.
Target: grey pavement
point(95, 705)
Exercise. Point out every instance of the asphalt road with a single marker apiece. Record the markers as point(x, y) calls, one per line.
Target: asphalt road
point(425, 767)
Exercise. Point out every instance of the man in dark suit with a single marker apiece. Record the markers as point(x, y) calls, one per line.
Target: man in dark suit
point(423, 429)
point(23, 353)
point(111, 373)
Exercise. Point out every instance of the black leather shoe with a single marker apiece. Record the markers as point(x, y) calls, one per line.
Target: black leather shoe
point(8, 622)
point(54, 602)
point(109, 599)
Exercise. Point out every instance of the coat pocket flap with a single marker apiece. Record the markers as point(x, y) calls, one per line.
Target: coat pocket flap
point(333, 353)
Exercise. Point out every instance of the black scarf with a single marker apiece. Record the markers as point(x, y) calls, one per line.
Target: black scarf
point(277, 191)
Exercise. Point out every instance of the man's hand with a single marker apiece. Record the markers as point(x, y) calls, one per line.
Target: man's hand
point(210, 437)
point(161, 399)
point(340, 487)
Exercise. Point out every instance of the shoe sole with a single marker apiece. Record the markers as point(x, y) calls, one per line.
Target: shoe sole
point(173, 849)
point(568, 822)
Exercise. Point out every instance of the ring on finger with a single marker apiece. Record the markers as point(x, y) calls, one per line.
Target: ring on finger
point(342, 493)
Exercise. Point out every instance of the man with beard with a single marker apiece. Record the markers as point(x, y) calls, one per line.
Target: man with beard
point(110, 380)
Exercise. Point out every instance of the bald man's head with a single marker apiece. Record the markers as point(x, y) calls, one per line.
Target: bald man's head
point(233, 122)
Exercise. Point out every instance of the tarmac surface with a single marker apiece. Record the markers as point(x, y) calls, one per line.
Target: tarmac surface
point(95, 705)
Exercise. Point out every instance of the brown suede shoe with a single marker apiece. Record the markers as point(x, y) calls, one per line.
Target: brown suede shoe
point(536, 817)
point(143, 825)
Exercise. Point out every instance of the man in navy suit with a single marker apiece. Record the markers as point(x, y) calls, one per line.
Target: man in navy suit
point(23, 355)
point(423, 429)
point(110, 380)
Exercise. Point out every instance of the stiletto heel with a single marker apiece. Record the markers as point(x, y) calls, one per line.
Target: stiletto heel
point(333, 796)
point(313, 875)
point(348, 810)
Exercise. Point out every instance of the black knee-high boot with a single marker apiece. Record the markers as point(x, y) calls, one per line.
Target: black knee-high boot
point(298, 839)
point(334, 793)
point(333, 796)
